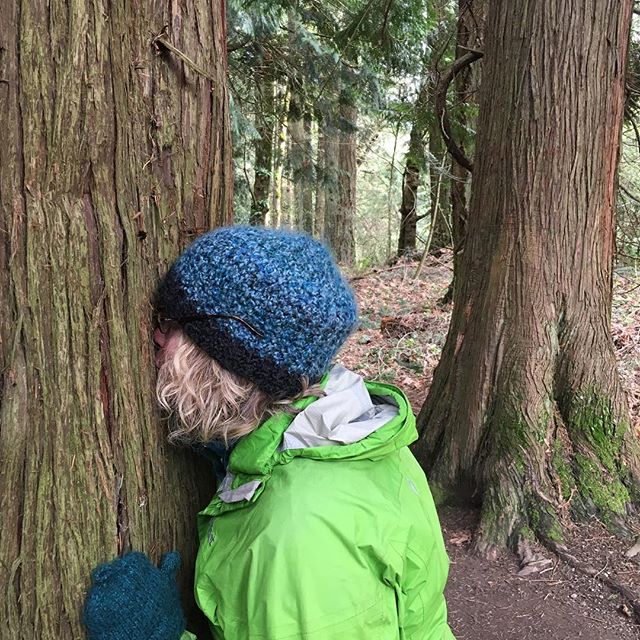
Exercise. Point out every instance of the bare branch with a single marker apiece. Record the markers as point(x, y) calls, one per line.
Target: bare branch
point(441, 105)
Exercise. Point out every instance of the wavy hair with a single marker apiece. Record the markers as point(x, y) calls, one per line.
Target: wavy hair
point(213, 404)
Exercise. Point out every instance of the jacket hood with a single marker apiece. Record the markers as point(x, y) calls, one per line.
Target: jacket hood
point(346, 414)
point(354, 420)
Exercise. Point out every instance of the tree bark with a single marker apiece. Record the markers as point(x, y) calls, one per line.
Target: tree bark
point(318, 223)
point(439, 210)
point(300, 157)
point(526, 407)
point(470, 34)
point(308, 177)
point(116, 153)
point(341, 232)
point(410, 183)
point(263, 145)
point(280, 145)
point(331, 173)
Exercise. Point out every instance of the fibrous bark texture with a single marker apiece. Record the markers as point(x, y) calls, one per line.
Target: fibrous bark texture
point(526, 407)
point(115, 154)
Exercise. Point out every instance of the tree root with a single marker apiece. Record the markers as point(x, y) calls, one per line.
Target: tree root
point(628, 594)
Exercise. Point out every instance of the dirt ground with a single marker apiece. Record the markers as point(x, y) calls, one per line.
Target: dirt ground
point(488, 600)
point(402, 332)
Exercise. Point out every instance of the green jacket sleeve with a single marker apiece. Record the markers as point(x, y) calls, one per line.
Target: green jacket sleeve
point(422, 609)
point(187, 635)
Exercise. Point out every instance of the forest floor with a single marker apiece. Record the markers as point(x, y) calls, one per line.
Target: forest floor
point(401, 335)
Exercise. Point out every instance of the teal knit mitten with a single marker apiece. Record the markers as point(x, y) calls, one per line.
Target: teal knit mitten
point(131, 599)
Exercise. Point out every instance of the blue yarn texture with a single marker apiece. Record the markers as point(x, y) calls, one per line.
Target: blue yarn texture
point(131, 599)
point(284, 284)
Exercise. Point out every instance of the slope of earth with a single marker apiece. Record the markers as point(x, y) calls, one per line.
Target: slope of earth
point(401, 335)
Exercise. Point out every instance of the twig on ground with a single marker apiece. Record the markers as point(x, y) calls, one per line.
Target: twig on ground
point(563, 553)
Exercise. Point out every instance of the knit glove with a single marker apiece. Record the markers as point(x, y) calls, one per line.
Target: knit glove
point(131, 599)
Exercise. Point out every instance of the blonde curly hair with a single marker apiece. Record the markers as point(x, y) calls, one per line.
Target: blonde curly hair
point(213, 404)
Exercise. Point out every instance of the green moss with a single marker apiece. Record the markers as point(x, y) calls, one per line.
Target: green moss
point(527, 533)
point(554, 532)
point(609, 496)
point(544, 521)
point(517, 434)
point(592, 418)
point(438, 493)
point(563, 470)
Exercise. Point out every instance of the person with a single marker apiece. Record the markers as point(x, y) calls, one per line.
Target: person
point(322, 526)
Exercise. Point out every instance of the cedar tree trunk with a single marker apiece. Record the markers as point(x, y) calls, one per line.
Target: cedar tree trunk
point(526, 407)
point(115, 154)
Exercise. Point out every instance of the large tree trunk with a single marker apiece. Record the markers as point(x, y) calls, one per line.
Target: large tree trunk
point(115, 154)
point(341, 231)
point(526, 406)
point(263, 145)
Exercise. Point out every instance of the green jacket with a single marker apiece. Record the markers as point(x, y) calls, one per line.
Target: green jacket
point(318, 533)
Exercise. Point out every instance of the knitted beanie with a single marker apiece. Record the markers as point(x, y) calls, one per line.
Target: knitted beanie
point(285, 285)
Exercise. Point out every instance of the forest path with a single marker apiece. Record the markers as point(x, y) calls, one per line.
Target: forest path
point(402, 332)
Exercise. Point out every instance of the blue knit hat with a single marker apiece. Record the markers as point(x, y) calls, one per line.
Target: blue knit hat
point(285, 285)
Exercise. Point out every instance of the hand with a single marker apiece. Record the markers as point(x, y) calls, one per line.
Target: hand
point(131, 599)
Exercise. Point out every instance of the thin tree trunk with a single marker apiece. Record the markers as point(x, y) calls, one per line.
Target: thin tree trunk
point(115, 155)
point(470, 34)
point(318, 224)
point(526, 404)
point(307, 177)
point(280, 145)
point(341, 233)
point(440, 214)
point(300, 160)
point(331, 172)
point(410, 185)
point(263, 145)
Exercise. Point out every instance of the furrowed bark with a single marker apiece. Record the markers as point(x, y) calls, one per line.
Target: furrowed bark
point(116, 154)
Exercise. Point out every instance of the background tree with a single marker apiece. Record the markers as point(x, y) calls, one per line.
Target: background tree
point(264, 141)
point(469, 36)
point(116, 154)
point(526, 404)
point(363, 48)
